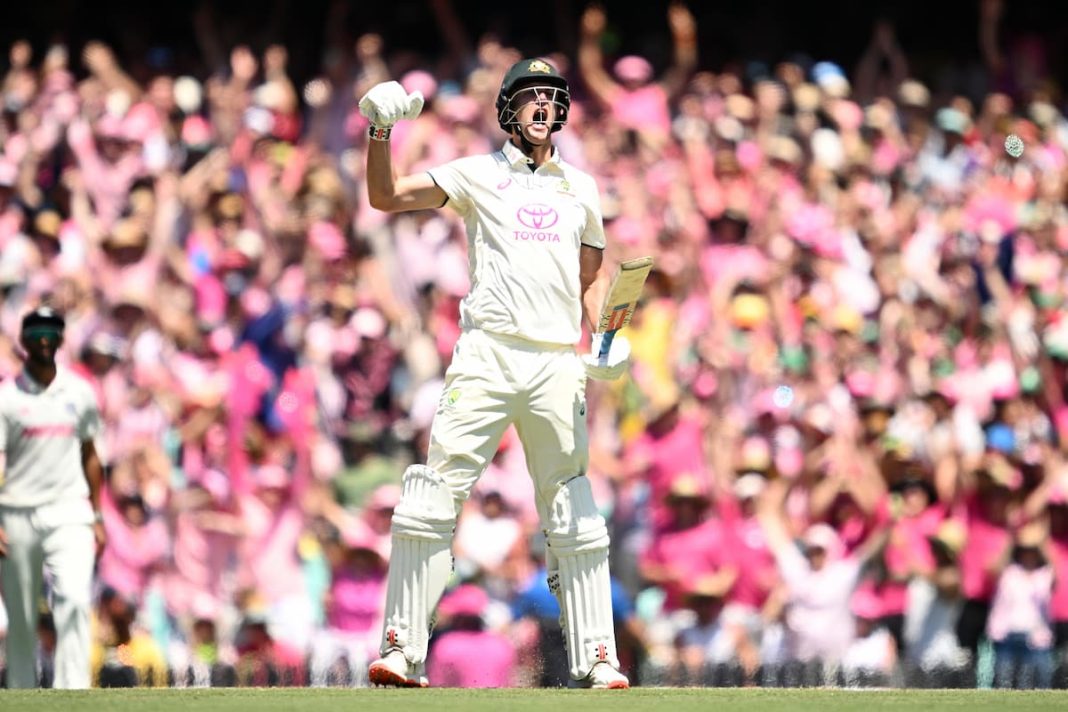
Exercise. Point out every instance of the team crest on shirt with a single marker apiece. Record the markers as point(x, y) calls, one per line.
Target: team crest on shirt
point(565, 188)
point(450, 397)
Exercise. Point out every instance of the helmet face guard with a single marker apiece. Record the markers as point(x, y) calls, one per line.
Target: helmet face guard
point(557, 101)
point(527, 81)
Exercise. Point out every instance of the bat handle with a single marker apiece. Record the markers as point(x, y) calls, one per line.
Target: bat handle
point(606, 346)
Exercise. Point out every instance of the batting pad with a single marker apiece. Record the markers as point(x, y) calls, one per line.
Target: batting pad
point(421, 562)
point(578, 544)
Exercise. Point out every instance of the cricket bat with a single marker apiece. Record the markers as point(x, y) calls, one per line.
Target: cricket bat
point(622, 298)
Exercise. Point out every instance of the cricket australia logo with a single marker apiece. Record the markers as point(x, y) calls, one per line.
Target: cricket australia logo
point(538, 217)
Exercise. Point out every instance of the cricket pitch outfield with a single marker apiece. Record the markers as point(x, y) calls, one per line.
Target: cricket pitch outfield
point(442, 700)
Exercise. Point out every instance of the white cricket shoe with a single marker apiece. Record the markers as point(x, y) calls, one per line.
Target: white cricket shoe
point(394, 670)
point(605, 677)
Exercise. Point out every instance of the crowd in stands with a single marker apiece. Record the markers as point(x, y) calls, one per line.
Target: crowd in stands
point(840, 455)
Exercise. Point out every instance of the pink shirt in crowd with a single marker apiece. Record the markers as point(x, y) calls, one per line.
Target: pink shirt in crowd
point(907, 553)
point(688, 554)
point(201, 556)
point(472, 659)
point(133, 553)
point(986, 543)
point(356, 601)
point(678, 452)
point(269, 550)
point(747, 549)
point(1021, 605)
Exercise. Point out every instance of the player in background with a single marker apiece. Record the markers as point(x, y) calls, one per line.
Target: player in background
point(50, 521)
point(535, 240)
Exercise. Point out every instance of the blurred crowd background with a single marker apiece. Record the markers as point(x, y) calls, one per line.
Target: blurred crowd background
point(839, 457)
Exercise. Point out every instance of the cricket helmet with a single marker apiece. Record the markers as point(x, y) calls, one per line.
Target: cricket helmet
point(532, 72)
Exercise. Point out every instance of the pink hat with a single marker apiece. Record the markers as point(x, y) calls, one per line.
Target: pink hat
point(465, 600)
point(633, 68)
point(420, 81)
point(848, 114)
point(384, 497)
point(358, 535)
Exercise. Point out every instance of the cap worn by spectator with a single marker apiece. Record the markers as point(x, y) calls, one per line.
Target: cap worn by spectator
point(686, 487)
point(912, 93)
point(750, 485)
point(824, 537)
point(952, 120)
point(951, 536)
point(831, 79)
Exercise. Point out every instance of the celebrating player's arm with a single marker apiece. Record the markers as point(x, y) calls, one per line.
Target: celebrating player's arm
point(384, 105)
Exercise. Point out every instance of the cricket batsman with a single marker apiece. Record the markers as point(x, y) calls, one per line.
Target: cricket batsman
point(535, 240)
point(50, 479)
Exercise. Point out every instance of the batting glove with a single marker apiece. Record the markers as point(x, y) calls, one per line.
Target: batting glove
point(613, 365)
point(387, 103)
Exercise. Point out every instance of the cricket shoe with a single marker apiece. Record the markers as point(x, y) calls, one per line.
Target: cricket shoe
point(394, 670)
point(605, 677)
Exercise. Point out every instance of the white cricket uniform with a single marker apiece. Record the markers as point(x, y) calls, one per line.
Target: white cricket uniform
point(47, 517)
point(515, 361)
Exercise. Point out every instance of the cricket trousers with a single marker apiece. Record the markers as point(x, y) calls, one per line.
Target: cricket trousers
point(494, 381)
point(53, 541)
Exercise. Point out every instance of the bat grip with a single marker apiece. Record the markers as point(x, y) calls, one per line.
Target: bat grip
point(606, 346)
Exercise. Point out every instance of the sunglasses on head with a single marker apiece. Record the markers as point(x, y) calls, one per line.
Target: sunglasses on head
point(35, 333)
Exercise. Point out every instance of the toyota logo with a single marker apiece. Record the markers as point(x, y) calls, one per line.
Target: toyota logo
point(537, 216)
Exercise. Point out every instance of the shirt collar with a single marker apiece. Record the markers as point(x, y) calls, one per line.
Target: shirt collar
point(517, 157)
point(29, 384)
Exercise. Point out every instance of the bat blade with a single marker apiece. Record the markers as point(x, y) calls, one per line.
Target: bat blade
point(621, 301)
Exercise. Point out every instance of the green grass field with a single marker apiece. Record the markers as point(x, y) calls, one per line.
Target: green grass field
point(637, 700)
